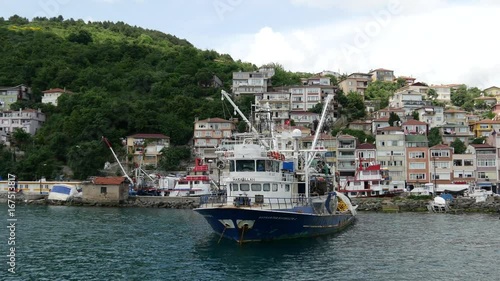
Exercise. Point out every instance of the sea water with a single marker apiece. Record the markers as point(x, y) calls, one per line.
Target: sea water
point(90, 243)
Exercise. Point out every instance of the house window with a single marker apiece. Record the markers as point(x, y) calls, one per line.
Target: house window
point(417, 155)
point(486, 162)
point(468, 163)
point(104, 189)
point(416, 165)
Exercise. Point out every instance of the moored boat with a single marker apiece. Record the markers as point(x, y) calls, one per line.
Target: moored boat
point(196, 183)
point(370, 180)
point(268, 200)
point(64, 192)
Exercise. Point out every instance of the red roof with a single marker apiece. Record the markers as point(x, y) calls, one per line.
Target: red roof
point(366, 145)
point(482, 145)
point(149, 136)
point(108, 180)
point(390, 129)
point(57, 90)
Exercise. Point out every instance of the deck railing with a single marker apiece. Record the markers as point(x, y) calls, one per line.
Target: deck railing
point(251, 202)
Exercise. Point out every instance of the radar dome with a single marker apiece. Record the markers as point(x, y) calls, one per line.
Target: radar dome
point(296, 134)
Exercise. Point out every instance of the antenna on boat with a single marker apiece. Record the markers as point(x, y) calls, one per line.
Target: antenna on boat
point(225, 95)
point(310, 154)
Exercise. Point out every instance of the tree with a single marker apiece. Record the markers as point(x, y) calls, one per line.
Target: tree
point(355, 107)
point(479, 140)
point(393, 119)
point(488, 115)
point(82, 37)
point(318, 108)
point(434, 137)
point(171, 157)
point(415, 116)
point(458, 146)
point(360, 135)
point(432, 94)
point(381, 90)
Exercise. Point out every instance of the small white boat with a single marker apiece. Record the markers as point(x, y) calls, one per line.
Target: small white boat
point(63, 192)
point(438, 205)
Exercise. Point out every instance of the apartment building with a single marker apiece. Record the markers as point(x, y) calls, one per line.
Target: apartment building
point(451, 132)
point(432, 115)
point(29, 120)
point(208, 135)
point(484, 128)
point(381, 74)
point(346, 155)
point(146, 149)
point(51, 95)
point(390, 142)
point(441, 164)
point(455, 116)
point(251, 83)
point(356, 82)
point(417, 160)
point(275, 106)
point(444, 91)
point(10, 95)
point(464, 168)
point(486, 163)
point(415, 127)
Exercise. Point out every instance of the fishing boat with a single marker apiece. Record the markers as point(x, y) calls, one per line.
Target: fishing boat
point(196, 183)
point(370, 180)
point(268, 195)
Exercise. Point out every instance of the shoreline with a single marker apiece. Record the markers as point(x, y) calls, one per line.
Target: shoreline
point(370, 204)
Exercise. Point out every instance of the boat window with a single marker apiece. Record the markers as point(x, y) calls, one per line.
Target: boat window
point(244, 187)
point(234, 187)
point(266, 187)
point(275, 187)
point(231, 165)
point(269, 165)
point(276, 166)
point(287, 187)
point(245, 166)
point(261, 164)
point(256, 187)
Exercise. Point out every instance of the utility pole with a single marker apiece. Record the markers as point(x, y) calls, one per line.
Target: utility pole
point(434, 186)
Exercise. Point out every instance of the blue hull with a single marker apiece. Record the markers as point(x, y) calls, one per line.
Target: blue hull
point(250, 225)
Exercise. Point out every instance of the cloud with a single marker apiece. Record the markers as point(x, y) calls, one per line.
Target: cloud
point(447, 44)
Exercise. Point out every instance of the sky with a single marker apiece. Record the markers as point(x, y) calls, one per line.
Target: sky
point(434, 41)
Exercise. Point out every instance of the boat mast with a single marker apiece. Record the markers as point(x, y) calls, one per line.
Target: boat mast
point(225, 94)
point(310, 154)
point(120, 164)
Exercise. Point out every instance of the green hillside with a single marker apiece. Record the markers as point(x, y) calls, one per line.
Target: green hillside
point(126, 80)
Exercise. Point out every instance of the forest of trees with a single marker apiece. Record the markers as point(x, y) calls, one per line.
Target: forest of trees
point(125, 80)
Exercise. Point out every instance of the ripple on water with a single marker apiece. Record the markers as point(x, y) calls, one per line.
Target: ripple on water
point(77, 243)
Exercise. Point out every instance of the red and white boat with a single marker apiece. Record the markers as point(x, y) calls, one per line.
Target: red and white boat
point(370, 180)
point(196, 183)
